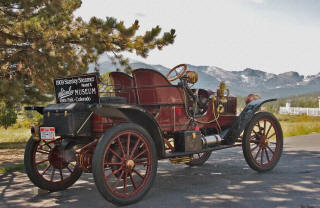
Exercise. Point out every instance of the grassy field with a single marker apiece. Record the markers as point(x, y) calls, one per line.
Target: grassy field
point(299, 125)
point(13, 137)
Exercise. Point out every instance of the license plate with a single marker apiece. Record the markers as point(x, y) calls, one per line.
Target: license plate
point(47, 133)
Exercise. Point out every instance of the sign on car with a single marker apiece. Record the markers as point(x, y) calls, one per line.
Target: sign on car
point(78, 89)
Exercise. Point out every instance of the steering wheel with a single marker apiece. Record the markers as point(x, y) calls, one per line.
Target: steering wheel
point(178, 74)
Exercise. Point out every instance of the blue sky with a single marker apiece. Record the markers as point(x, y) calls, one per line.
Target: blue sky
point(275, 36)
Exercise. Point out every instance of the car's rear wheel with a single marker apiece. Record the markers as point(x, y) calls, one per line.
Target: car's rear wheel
point(49, 167)
point(125, 163)
point(262, 142)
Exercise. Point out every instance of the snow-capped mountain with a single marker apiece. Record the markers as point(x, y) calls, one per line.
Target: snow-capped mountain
point(241, 83)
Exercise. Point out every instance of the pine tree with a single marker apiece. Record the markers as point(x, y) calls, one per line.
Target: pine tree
point(41, 40)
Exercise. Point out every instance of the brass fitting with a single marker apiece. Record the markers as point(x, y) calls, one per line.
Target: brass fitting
point(35, 132)
point(220, 109)
point(221, 92)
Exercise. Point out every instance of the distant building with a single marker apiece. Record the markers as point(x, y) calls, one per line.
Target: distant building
point(298, 111)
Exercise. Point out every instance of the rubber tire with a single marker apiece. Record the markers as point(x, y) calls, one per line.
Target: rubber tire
point(246, 136)
point(38, 180)
point(201, 161)
point(98, 160)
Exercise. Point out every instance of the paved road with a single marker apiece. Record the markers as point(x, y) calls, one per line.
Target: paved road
point(224, 181)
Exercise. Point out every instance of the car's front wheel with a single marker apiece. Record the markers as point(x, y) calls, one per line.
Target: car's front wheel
point(262, 142)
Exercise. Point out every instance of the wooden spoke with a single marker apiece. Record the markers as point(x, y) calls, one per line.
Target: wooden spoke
point(143, 162)
point(271, 135)
point(47, 144)
point(257, 153)
point(69, 169)
point(125, 182)
point(256, 133)
point(132, 181)
point(264, 127)
point(43, 152)
point(262, 156)
point(121, 147)
point(61, 176)
point(42, 161)
point(254, 148)
point(270, 149)
point(268, 130)
point(141, 153)
point(135, 147)
point(267, 155)
point(118, 180)
point(115, 154)
point(113, 163)
point(253, 141)
point(128, 144)
point(253, 136)
point(259, 126)
point(52, 174)
point(45, 170)
point(113, 172)
point(134, 170)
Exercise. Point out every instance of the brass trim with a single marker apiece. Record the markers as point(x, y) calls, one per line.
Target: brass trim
point(84, 123)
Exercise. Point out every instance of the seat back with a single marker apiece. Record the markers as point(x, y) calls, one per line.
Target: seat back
point(154, 88)
point(124, 86)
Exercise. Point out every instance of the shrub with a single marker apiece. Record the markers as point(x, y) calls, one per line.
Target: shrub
point(8, 116)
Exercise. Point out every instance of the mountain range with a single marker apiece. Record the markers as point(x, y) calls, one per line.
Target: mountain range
point(240, 83)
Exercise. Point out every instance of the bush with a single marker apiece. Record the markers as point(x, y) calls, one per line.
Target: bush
point(22, 124)
point(8, 116)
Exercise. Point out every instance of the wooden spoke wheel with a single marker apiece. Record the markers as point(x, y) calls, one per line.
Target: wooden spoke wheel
point(199, 159)
point(50, 168)
point(262, 142)
point(125, 163)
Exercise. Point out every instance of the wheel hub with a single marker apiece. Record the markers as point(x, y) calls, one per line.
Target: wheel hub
point(56, 158)
point(129, 164)
point(263, 141)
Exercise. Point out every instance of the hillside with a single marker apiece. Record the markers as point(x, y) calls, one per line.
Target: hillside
point(241, 83)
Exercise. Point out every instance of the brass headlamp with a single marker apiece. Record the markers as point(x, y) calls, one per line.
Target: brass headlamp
point(191, 76)
point(223, 92)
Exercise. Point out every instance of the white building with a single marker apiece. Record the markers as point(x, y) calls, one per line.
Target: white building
point(297, 110)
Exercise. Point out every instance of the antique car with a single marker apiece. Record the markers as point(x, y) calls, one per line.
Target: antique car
point(119, 134)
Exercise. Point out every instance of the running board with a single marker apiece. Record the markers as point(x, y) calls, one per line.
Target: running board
point(219, 147)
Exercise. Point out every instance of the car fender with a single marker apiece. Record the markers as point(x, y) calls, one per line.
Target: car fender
point(136, 115)
point(232, 134)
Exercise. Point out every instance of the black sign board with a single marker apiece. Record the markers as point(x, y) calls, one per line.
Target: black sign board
point(78, 89)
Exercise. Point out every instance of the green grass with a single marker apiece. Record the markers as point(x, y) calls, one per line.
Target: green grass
point(14, 135)
point(299, 125)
